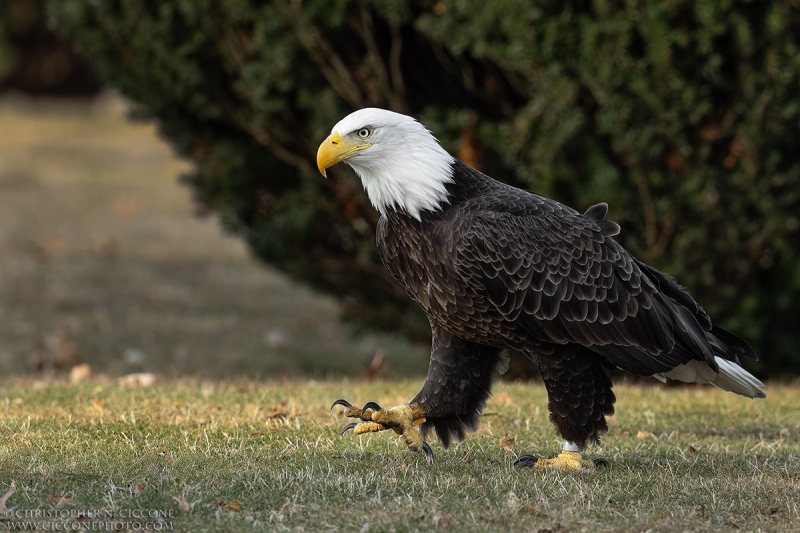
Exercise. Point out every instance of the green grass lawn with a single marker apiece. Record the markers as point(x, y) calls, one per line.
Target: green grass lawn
point(267, 456)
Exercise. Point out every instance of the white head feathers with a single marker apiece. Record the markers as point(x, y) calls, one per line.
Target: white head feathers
point(404, 168)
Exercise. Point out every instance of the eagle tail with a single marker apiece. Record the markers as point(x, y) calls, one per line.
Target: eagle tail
point(730, 377)
point(736, 379)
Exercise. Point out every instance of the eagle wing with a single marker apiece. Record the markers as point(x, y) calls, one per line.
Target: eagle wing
point(560, 277)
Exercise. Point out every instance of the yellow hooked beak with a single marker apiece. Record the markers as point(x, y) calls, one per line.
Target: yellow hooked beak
point(334, 150)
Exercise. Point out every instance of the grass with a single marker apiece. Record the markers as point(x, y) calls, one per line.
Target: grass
point(267, 456)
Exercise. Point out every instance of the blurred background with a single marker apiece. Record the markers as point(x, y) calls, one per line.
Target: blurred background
point(683, 115)
point(105, 261)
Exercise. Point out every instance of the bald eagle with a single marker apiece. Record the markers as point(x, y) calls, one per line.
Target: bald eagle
point(494, 268)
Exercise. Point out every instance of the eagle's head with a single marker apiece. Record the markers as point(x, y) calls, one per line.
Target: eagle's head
point(401, 164)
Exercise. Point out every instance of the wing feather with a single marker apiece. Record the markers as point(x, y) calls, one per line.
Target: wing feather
point(561, 278)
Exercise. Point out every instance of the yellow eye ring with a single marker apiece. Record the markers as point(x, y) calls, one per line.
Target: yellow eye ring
point(364, 133)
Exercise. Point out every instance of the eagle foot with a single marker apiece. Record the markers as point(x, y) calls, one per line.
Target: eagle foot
point(403, 420)
point(566, 460)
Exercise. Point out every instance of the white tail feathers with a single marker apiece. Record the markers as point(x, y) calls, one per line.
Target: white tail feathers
point(736, 379)
point(731, 377)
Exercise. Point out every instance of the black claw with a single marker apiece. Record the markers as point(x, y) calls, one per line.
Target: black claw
point(428, 452)
point(351, 425)
point(527, 461)
point(370, 405)
point(601, 461)
point(341, 402)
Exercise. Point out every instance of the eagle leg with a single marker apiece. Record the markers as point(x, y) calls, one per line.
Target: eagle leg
point(580, 397)
point(403, 420)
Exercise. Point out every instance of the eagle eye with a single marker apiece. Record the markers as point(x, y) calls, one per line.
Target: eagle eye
point(364, 133)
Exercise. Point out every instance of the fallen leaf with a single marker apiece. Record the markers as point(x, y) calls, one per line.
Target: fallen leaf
point(233, 505)
point(97, 405)
point(513, 502)
point(80, 373)
point(644, 435)
point(279, 411)
point(63, 499)
point(439, 520)
point(184, 505)
point(5, 498)
point(515, 505)
point(507, 442)
point(137, 380)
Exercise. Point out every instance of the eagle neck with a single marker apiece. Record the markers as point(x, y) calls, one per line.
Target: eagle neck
point(467, 183)
point(413, 185)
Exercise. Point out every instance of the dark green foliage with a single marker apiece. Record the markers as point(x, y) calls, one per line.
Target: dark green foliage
point(683, 115)
point(35, 60)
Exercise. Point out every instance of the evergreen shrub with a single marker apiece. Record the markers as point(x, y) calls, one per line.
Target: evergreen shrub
point(683, 115)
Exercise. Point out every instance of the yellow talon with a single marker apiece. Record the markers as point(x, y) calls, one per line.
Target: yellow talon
point(352, 412)
point(396, 416)
point(566, 460)
point(368, 427)
point(403, 420)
